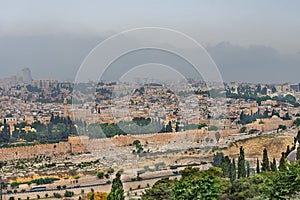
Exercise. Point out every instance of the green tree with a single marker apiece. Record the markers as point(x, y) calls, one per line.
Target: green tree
point(100, 175)
point(225, 166)
point(233, 170)
point(246, 188)
point(282, 166)
point(257, 166)
point(213, 128)
point(265, 166)
point(297, 122)
point(288, 150)
point(243, 129)
point(169, 128)
point(161, 190)
point(202, 185)
point(273, 165)
point(68, 193)
point(217, 136)
point(241, 164)
point(247, 169)
point(217, 160)
point(298, 134)
point(298, 153)
point(117, 191)
point(202, 125)
point(284, 184)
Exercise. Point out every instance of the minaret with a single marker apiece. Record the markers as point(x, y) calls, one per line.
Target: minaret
point(66, 111)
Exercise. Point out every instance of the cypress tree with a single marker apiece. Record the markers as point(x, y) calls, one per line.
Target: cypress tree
point(298, 136)
point(247, 169)
point(217, 160)
point(282, 166)
point(273, 166)
point(169, 127)
point(241, 164)
point(177, 127)
point(287, 150)
point(117, 191)
point(265, 164)
point(257, 166)
point(233, 170)
point(225, 165)
point(294, 145)
point(298, 153)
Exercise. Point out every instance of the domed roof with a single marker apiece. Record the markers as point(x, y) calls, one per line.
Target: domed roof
point(274, 117)
point(292, 157)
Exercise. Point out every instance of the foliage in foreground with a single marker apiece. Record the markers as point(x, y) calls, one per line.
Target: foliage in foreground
point(211, 184)
point(117, 191)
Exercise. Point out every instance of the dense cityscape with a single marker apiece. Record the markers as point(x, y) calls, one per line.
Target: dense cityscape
point(48, 140)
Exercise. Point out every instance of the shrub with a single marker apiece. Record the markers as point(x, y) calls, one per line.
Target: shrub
point(57, 195)
point(100, 175)
point(243, 129)
point(212, 128)
point(68, 193)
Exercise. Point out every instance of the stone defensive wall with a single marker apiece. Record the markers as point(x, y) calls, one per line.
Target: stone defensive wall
point(74, 145)
point(270, 124)
point(81, 144)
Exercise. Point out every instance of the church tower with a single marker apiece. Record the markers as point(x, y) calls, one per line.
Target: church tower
point(66, 111)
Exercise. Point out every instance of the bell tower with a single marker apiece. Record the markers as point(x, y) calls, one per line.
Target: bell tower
point(66, 111)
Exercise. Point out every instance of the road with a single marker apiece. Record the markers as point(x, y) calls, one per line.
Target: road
point(103, 187)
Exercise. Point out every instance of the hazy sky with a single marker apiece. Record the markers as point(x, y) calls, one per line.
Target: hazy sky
point(56, 35)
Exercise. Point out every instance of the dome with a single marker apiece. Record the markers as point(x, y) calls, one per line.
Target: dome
point(292, 157)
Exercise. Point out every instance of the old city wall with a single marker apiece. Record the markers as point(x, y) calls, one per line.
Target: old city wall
point(83, 144)
point(157, 138)
point(270, 125)
point(74, 145)
point(33, 151)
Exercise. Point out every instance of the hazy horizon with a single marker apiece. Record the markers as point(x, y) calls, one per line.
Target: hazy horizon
point(250, 41)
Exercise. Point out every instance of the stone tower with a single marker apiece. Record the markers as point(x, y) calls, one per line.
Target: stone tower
point(66, 110)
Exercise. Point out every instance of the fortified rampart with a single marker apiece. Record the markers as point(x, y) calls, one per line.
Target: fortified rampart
point(83, 144)
point(74, 145)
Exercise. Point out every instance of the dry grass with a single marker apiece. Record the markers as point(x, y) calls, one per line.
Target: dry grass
point(254, 147)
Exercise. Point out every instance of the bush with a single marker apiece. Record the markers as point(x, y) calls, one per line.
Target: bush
point(212, 128)
point(100, 175)
point(57, 195)
point(243, 129)
point(110, 171)
point(297, 122)
point(76, 177)
point(43, 181)
point(68, 193)
point(282, 127)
